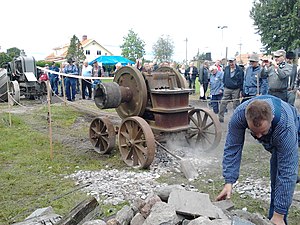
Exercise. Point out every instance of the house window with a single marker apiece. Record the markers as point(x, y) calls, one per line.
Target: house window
point(98, 52)
point(105, 53)
point(87, 52)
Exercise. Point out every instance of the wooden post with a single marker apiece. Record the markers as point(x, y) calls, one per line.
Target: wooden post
point(8, 96)
point(49, 118)
point(63, 89)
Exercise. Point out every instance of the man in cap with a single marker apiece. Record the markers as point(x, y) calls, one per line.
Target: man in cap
point(71, 69)
point(216, 87)
point(264, 75)
point(278, 75)
point(233, 85)
point(252, 81)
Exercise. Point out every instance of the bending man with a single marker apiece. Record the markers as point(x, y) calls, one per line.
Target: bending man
point(275, 124)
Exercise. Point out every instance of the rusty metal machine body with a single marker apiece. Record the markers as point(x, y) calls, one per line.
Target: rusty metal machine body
point(151, 105)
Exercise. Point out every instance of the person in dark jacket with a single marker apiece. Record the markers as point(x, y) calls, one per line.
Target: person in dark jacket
point(53, 77)
point(191, 74)
point(204, 78)
point(233, 85)
point(291, 94)
point(275, 124)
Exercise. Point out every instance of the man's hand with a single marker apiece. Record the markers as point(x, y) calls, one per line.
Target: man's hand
point(277, 219)
point(225, 193)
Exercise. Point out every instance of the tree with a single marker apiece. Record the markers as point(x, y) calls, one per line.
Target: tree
point(132, 47)
point(4, 58)
point(199, 56)
point(163, 49)
point(277, 23)
point(13, 52)
point(75, 50)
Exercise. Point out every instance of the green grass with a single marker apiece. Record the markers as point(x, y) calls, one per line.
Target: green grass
point(29, 179)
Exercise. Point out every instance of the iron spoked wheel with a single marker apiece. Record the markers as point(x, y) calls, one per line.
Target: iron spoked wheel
point(14, 92)
point(181, 81)
point(204, 129)
point(102, 135)
point(136, 142)
point(132, 78)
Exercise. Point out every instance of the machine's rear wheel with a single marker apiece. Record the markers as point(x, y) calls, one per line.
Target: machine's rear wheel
point(14, 92)
point(102, 135)
point(136, 142)
point(204, 129)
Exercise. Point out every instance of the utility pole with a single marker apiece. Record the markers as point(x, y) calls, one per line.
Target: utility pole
point(240, 44)
point(186, 40)
point(222, 28)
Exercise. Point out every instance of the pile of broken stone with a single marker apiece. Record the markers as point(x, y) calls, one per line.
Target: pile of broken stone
point(169, 205)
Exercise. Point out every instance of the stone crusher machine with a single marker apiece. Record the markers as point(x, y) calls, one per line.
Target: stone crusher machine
point(151, 106)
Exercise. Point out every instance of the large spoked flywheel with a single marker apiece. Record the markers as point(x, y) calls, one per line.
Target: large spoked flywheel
point(102, 135)
point(136, 142)
point(204, 129)
point(181, 81)
point(132, 78)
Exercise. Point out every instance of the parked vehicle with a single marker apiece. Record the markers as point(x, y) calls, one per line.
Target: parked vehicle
point(23, 77)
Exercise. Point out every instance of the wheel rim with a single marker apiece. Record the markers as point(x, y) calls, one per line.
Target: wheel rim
point(132, 78)
point(181, 81)
point(204, 129)
point(136, 142)
point(102, 135)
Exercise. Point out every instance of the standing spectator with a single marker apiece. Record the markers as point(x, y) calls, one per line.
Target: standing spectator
point(233, 85)
point(278, 76)
point(291, 94)
point(44, 75)
point(155, 66)
point(118, 66)
point(219, 65)
point(264, 75)
point(54, 78)
point(62, 81)
point(275, 124)
point(182, 70)
point(86, 82)
point(139, 64)
point(71, 69)
point(252, 81)
point(204, 78)
point(96, 72)
point(216, 87)
point(191, 74)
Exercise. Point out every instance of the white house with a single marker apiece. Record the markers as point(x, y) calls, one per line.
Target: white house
point(92, 49)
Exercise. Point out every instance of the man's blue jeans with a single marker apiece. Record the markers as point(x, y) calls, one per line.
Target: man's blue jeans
point(71, 84)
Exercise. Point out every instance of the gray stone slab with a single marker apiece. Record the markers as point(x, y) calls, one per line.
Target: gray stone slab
point(239, 221)
point(40, 212)
point(41, 220)
point(193, 204)
point(188, 169)
point(162, 213)
point(225, 204)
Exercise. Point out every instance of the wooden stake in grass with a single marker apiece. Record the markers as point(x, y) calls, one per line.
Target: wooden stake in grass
point(49, 118)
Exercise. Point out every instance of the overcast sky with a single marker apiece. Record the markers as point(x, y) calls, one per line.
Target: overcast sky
point(39, 26)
